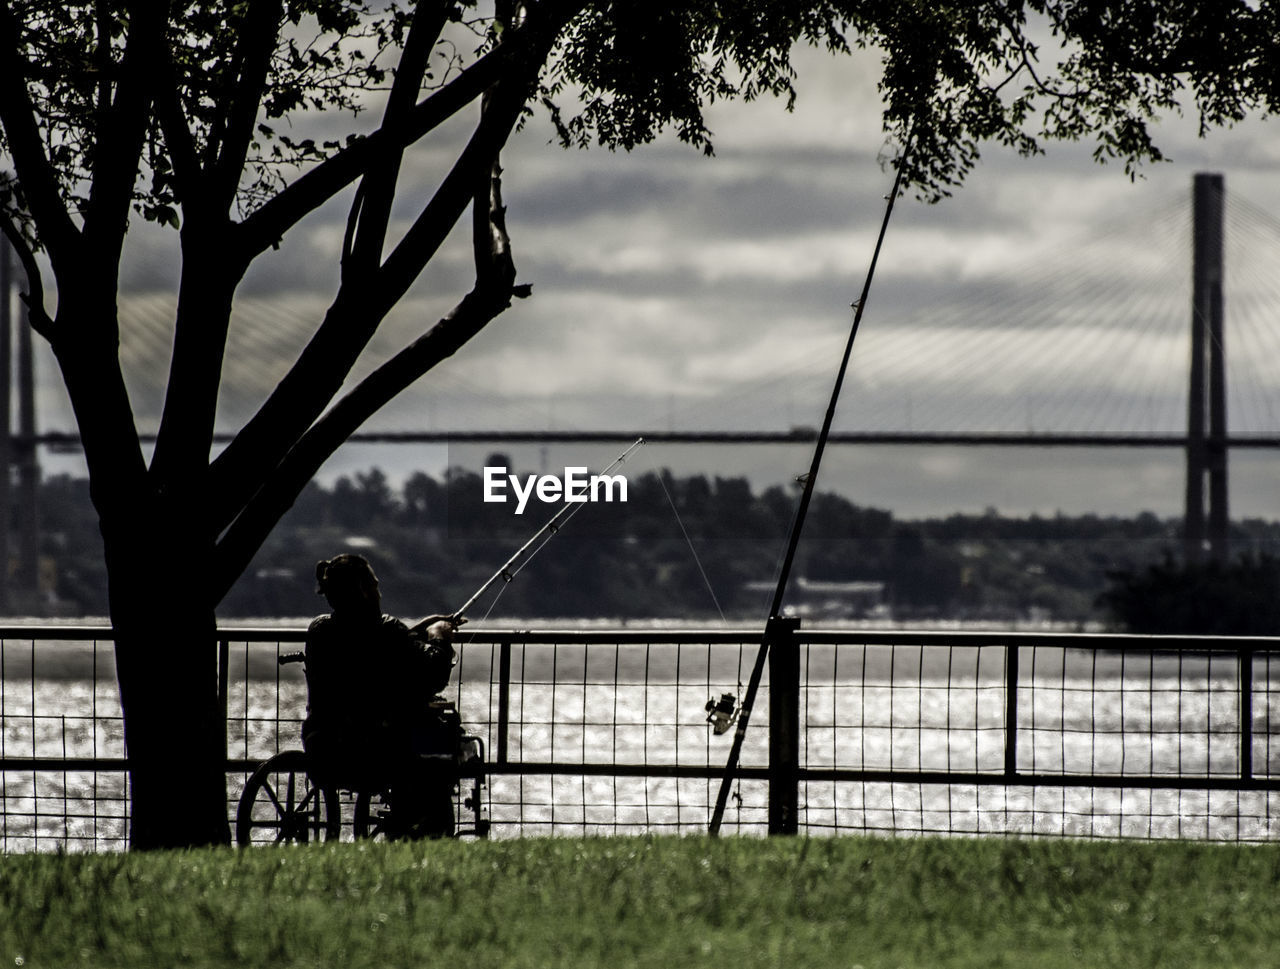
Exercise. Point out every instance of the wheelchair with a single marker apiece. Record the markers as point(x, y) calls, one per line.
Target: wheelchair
point(292, 799)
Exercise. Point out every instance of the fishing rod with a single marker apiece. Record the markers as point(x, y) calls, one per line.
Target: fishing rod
point(775, 609)
point(569, 509)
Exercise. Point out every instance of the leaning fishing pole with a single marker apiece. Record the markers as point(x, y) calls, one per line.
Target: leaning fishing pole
point(552, 526)
point(777, 628)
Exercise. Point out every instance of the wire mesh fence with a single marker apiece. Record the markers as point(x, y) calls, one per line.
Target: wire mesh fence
point(62, 779)
point(616, 732)
point(1130, 737)
point(605, 733)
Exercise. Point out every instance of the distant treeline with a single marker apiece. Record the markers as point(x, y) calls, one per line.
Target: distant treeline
point(434, 541)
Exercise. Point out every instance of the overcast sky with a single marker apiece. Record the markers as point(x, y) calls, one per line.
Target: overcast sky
point(676, 291)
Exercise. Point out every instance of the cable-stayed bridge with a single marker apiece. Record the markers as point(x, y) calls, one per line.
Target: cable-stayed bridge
point(1087, 342)
point(1084, 345)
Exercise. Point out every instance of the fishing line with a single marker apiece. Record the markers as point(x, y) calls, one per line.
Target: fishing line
point(493, 603)
point(551, 528)
point(697, 561)
point(791, 526)
point(757, 672)
point(552, 532)
point(568, 511)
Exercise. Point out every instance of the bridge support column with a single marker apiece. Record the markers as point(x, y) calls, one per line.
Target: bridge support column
point(1207, 400)
point(6, 435)
point(19, 567)
point(26, 579)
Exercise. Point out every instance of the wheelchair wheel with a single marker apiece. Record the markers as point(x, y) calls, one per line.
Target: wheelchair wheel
point(281, 806)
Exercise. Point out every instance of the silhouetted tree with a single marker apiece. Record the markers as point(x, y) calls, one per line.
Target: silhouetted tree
point(1240, 598)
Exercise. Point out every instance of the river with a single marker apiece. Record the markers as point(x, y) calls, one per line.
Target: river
point(870, 708)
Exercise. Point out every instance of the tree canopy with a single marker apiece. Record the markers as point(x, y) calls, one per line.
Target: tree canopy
point(230, 78)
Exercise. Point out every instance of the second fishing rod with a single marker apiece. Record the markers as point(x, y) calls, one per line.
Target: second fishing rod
point(782, 817)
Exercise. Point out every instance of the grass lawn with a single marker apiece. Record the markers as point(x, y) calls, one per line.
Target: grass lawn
point(665, 903)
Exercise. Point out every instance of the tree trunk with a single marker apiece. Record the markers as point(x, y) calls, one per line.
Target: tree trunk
point(166, 665)
point(157, 555)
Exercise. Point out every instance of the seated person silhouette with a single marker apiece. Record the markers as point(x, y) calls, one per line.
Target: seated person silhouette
point(374, 719)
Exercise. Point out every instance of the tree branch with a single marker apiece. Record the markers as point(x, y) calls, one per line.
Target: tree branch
point(491, 295)
point(57, 232)
point(209, 279)
point(102, 55)
point(187, 171)
point(203, 316)
point(265, 227)
point(371, 209)
point(490, 244)
point(424, 237)
point(246, 533)
point(37, 315)
point(238, 472)
point(123, 132)
point(255, 46)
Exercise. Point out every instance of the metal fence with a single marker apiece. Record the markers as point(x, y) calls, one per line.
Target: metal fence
point(604, 732)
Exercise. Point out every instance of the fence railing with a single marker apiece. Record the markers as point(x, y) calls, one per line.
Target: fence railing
point(606, 731)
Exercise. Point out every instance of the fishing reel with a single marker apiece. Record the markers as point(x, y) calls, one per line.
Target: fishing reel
point(723, 713)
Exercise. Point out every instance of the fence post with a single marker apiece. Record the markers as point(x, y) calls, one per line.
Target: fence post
point(224, 660)
point(504, 699)
point(1011, 711)
point(784, 725)
point(1246, 714)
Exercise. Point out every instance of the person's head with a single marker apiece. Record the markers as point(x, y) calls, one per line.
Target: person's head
point(349, 584)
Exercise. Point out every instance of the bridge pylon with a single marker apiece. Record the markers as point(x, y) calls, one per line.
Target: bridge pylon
point(19, 566)
point(1205, 530)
